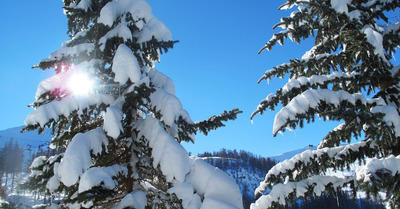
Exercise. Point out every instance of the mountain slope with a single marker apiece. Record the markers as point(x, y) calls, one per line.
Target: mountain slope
point(244, 167)
point(26, 138)
point(290, 154)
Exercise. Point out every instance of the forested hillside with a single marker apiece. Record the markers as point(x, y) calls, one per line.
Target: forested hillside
point(246, 168)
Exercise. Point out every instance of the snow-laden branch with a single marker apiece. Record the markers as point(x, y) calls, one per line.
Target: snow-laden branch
point(77, 158)
point(139, 9)
point(101, 176)
point(390, 31)
point(386, 117)
point(186, 130)
point(136, 199)
point(154, 28)
point(312, 99)
point(125, 65)
point(317, 184)
point(71, 51)
point(170, 108)
point(112, 119)
point(391, 117)
point(315, 80)
point(164, 101)
point(65, 107)
point(298, 19)
point(367, 173)
point(302, 68)
point(345, 133)
point(194, 181)
point(300, 83)
point(319, 158)
point(276, 38)
point(166, 152)
point(160, 80)
point(60, 80)
point(119, 31)
point(375, 39)
point(114, 114)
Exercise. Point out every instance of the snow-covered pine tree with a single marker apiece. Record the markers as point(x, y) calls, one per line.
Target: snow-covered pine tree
point(348, 76)
point(121, 135)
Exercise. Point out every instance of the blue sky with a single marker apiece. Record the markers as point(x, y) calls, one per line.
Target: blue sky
point(215, 66)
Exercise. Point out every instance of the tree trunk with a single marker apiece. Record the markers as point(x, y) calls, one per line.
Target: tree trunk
point(12, 182)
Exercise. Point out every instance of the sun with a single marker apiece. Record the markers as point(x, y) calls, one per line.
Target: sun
point(80, 84)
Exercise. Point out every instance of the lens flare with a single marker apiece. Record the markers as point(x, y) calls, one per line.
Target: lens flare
point(80, 84)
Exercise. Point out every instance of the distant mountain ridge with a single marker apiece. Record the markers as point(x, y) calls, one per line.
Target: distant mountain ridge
point(290, 154)
point(26, 138)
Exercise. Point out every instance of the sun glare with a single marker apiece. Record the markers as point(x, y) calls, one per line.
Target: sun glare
point(80, 84)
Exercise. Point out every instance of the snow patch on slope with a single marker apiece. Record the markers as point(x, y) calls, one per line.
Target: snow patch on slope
point(288, 155)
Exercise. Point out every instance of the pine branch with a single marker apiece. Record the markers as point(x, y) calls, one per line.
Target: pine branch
point(205, 126)
point(317, 162)
point(325, 103)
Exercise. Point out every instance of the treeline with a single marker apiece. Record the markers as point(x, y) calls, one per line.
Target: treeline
point(11, 165)
point(343, 200)
point(244, 158)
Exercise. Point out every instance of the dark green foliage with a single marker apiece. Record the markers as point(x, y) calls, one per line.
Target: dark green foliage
point(42, 172)
point(212, 123)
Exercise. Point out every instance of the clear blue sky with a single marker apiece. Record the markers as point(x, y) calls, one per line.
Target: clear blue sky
point(215, 66)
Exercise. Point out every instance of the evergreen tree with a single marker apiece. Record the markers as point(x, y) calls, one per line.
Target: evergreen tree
point(15, 161)
point(11, 160)
point(3, 191)
point(2, 159)
point(18, 157)
point(121, 136)
point(349, 76)
point(7, 157)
